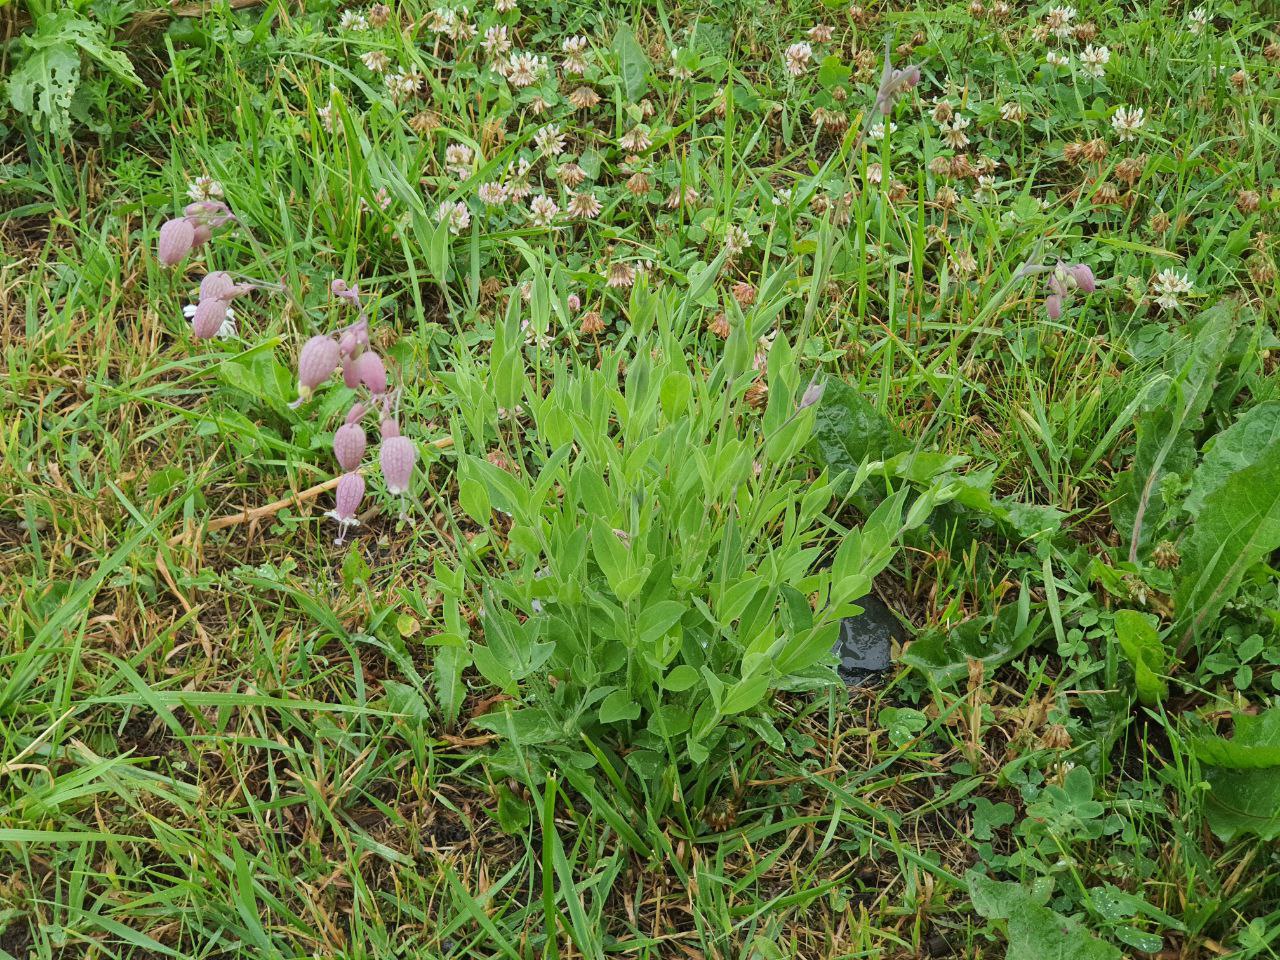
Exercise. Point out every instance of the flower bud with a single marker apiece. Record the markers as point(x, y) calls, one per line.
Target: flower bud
point(372, 372)
point(356, 413)
point(389, 428)
point(398, 456)
point(348, 445)
point(346, 503)
point(812, 394)
point(1083, 277)
point(210, 314)
point(350, 373)
point(360, 334)
point(1053, 306)
point(316, 363)
point(176, 239)
point(217, 286)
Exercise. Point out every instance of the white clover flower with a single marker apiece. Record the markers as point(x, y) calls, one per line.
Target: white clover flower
point(376, 60)
point(493, 194)
point(402, 84)
point(575, 50)
point(354, 21)
point(458, 158)
point(524, 69)
point(1058, 20)
point(203, 189)
point(798, 56)
point(456, 214)
point(1095, 60)
point(1197, 21)
point(1168, 286)
point(542, 210)
point(953, 132)
point(736, 240)
point(550, 140)
point(1127, 121)
point(504, 6)
point(1013, 112)
point(496, 42)
point(1056, 59)
point(878, 131)
point(584, 206)
point(635, 140)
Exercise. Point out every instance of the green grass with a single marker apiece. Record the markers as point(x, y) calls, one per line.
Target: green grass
point(241, 742)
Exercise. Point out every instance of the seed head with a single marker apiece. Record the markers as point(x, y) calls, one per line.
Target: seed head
point(348, 445)
point(398, 455)
point(176, 239)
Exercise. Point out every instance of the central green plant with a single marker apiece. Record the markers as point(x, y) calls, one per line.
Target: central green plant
point(670, 562)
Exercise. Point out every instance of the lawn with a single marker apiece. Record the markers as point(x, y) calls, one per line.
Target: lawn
point(443, 447)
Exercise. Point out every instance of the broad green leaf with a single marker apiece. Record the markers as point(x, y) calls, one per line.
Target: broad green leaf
point(1144, 649)
point(848, 430)
point(945, 654)
point(632, 63)
point(1170, 412)
point(1244, 794)
point(619, 705)
point(1035, 932)
point(1238, 526)
point(1235, 448)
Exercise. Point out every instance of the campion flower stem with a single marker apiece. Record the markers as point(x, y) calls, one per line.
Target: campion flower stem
point(293, 500)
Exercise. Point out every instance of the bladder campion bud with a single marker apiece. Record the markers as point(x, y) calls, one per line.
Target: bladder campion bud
point(371, 372)
point(346, 503)
point(398, 456)
point(217, 286)
point(316, 363)
point(348, 445)
point(210, 314)
point(176, 239)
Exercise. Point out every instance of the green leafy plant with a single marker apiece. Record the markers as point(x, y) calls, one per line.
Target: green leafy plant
point(45, 86)
point(669, 564)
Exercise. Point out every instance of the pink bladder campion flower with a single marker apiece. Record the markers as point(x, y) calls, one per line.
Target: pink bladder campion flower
point(217, 286)
point(389, 428)
point(346, 502)
point(1083, 277)
point(176, 240)
point(316, 363)
point(398, 457)
point(372, 372)
point(209, 317)
point(348, 445)
point(1063, 280)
